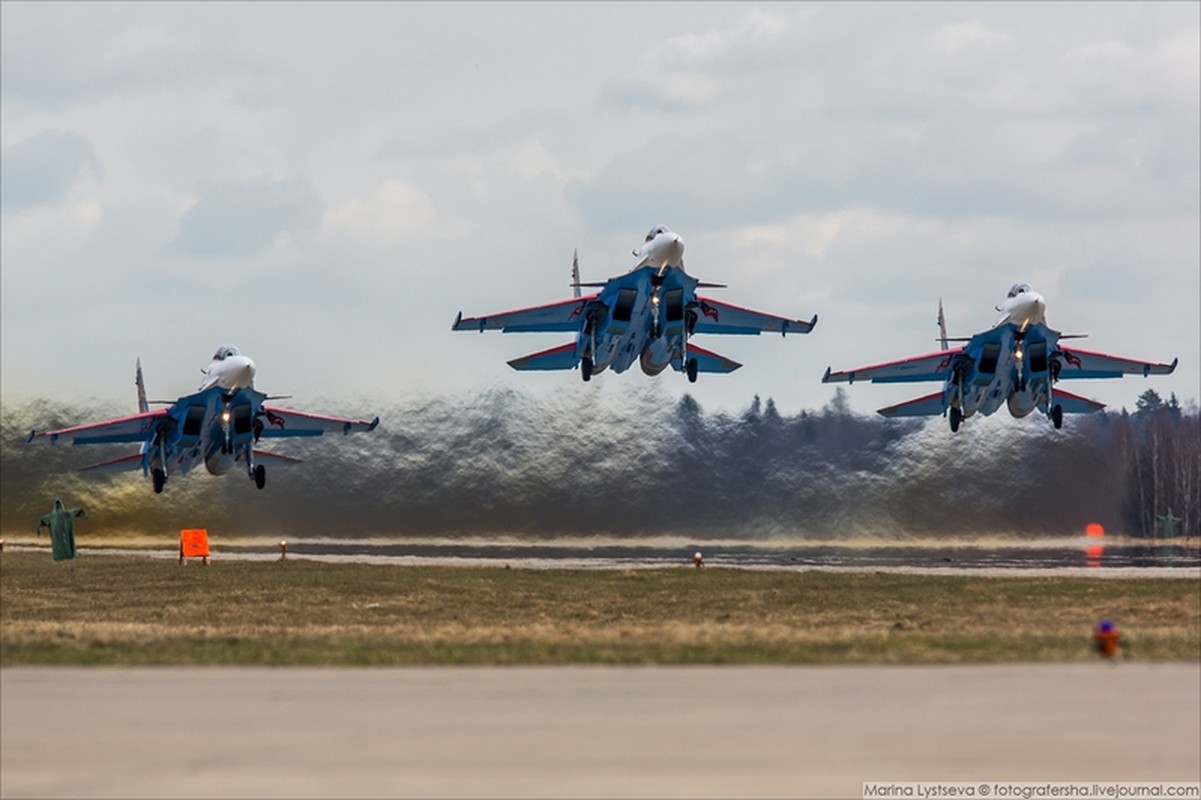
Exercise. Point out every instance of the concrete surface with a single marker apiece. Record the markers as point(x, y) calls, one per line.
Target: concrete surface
point(588, 732)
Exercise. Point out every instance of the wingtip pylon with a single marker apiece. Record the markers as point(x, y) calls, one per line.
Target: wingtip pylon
point(826, 377)
point(454, 326)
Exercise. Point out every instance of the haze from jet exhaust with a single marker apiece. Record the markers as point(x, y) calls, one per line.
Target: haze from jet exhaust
point(326, 185)
point(505, 463)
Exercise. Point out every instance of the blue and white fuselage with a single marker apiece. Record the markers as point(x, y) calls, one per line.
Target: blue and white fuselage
point(218, 426)
point(646, 316)
point(1015, 363)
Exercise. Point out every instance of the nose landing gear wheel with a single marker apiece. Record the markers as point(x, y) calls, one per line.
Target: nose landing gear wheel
point(260, 476)
point(160, 480)
point(586, 368)
point(956, 418)
point(691, 368)
point(1057, 416)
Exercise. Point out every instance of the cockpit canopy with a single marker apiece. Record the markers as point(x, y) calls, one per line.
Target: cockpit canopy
point(1019, 288)
point(655, 231)
point(224, 351)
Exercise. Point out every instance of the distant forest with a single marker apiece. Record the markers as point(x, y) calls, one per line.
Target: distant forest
point(503, 463)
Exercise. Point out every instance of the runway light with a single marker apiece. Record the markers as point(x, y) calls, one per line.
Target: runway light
point(1094, 529)
point(698, 560)
point(283, 549)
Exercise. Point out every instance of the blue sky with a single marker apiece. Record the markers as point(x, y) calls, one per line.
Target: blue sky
point(325, 185)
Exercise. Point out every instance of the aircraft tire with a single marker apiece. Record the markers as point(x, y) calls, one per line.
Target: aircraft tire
point(160, 480)
point(260, 476)
point(1057, 416)
point(692, 368)
point(956, 418)
point(586, 368)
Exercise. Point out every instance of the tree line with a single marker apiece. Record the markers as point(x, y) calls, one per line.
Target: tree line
point(503, 462)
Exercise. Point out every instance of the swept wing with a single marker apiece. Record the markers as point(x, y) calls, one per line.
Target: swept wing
point(1088, 364)
point(137, 428)
point(930, 367)
point(565, 315)
point(284, 422)
point(714, 316)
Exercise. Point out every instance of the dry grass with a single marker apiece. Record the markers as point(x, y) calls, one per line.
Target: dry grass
point(137, 610)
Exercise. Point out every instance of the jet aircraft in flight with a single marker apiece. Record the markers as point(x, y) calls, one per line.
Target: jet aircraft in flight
point(646, 315)
point(1018, 361)
point(218, 425)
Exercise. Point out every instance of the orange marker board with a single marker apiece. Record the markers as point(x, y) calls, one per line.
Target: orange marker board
point(194, 543)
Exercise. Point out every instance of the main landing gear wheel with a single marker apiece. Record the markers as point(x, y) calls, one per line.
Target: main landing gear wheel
point(956, 418)
point(691, 368)
point(586, 368)
point(1057, 416)
point(260, 476)
point(160, 480)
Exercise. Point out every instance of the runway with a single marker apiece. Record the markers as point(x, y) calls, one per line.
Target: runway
point(589, 732)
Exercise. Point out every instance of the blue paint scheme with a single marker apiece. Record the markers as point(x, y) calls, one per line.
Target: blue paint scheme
point(1004, 365)
point(194, 430)
point(646, 316)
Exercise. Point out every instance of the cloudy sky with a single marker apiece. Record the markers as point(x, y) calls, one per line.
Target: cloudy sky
point(325, 186)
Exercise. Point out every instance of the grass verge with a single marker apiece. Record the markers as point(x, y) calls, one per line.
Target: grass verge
point(131, 610)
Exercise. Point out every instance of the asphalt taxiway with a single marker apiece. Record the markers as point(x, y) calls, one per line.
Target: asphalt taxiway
point(588, 731)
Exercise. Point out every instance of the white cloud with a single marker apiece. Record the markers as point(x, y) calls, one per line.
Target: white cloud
point(394, 212)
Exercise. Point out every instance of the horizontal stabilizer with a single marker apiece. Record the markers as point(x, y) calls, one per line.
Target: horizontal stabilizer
point(1075, 404)
point(561, 357)
point(275, 459)
point(123, 464)
point(928, 406)
point(708, 361)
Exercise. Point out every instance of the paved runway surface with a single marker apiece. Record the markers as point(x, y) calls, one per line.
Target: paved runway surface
point(588, 732)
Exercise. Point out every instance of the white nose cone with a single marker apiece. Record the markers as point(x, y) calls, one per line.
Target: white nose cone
point(663, 248)
point(230, 373)
point(1023, 310)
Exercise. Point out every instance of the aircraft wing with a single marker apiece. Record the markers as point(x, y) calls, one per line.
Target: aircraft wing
point(561, 357)
point(717, 317)
point(137, 428)
point(1087, 364)
point(1075, 404)
point(928, 406)
point(282, 422)
point(123, 464)
point(565, 315)
point(276, 459)
point(930, 367)
point(708, 361)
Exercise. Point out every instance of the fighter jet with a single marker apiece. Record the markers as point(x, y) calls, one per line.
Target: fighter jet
point(1017, 362)
point(218, 425)
point(646, 315)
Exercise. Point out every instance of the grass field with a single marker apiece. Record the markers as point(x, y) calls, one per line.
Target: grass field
point(124, 610)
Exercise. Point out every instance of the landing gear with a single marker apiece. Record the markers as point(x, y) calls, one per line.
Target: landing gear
point(691, 368)
point(1057, 415)
point(260, 476)
point(586, 368)
point(956, 418)
point(160, 480)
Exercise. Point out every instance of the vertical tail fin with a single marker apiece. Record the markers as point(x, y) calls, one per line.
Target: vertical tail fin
point(575, 272)
point(942, 327)
point(143, 403)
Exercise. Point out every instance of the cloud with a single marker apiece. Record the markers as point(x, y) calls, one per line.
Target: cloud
point(395, 211)
point(683, 72)
point(40, 170)
point(234, 219)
